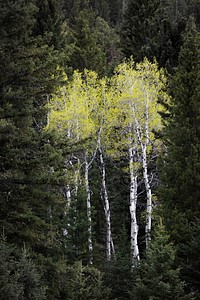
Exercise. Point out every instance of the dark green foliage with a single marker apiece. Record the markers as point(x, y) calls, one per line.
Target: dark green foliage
point(180, 190)
point(19, 277)
point(158, 278)
point(95, 42)
point(194, 10)
point(87, 52)
point(191, 271)
point(27, 154)
point(76, 282)
point(101, 8)
point(118, 276)
point(153, 29)
point(116, 11)
point(75, 222)
point(85, 283)
point(181, 168)
point(136, 28)
point(52, 24)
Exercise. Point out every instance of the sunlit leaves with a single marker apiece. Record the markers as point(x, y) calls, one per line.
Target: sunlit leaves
point(87, 104)
point(72, 108)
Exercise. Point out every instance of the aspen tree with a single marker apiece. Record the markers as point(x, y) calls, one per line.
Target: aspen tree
point(151, 85)
point(108, 116)
point(139, 88)
point(71, 114)
point(82, 112)
point(102, 145)
point(119, 110)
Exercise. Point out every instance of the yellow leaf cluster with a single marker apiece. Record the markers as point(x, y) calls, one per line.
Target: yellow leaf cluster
point(119, 107)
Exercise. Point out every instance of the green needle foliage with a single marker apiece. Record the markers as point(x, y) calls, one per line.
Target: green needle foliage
point(159, 278)
point(181, 165)
point(29, 160)
point(153, 29)
point(180, 173)
point(19, 277)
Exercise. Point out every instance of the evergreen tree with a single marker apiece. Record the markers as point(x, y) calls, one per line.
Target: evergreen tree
point(191, 270)
point(87, 50)
point(29, 162)
point(159, 279)
point(180, 172)
point(52, 24)
point(136, 28)
point(153, 29)
point(50, 19)
point(19, 277)
point(101, 7)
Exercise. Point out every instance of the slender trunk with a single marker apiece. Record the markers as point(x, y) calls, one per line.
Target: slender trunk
point(68, 197)
point(133, 206)
point(49, 214)
point(149, 198)
point(146, 178)
point(77, 178)
point(144, 144)
point(89, 214)
point(109, 241)
point(48, 112)
point(124, 4)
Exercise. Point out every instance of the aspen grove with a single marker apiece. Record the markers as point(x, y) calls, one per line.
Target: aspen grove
point(109, 118)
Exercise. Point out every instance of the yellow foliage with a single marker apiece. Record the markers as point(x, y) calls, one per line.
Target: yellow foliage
point(119, 107)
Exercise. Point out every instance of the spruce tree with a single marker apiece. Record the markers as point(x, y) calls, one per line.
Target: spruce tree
point(51, 21)
point(191, 270)
point(153, 29)
point(29, 162)
point(88, 52)
point(136, 27)
point(180, 172)
point(158, 277)
point(19, 276)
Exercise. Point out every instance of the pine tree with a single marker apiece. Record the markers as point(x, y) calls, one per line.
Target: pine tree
point(19, 277)
point(87, 51)
point(50, 20)
point(159, 278)
point(29, 162)
point(180, 172)
point(191, 271)
point(101, 7)
point(137, 27)
point(153, 29)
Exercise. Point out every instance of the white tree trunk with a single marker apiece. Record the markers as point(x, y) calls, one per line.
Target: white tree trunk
point(77, 178)
point(149, 199)
point(133, 206)
point(144, 144)
point(89, 213)
point(68, 197)
point(109, 241)
point(124, 5)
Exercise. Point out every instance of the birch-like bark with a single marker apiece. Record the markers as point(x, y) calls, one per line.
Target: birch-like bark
point(133, 206)
point(48, 112)
point(146, 178)
point(89, 213)
point(77, 178)
point(68, 198)
point(149, 199)
point(67, 195)
point(110, 249)
point(144, 144)
point(124, 5)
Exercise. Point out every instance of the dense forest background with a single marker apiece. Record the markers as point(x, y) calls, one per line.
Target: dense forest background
point(100, 149)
